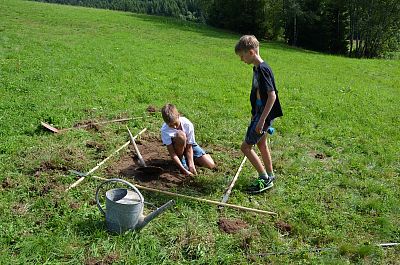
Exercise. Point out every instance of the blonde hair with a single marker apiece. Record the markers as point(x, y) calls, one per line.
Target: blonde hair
point(169, 113)
point(246, 43)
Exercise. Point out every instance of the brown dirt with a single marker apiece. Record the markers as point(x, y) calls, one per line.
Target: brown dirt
point(320, 156)
point(109, 259)
point(8, 183)
point(283, 227)
point(46, 166)
point(154, 154)
point(231, 226)
point(89, 125)
point(95, 145)
point(20, 209)
point(151, 109)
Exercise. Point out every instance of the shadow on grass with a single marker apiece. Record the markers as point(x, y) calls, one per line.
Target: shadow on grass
point(91, 226)
point(183, 25)
point(210, 31)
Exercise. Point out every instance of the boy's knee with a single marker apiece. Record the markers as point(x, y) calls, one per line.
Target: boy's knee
point(180, 138)
point(211, 164)
point(245, 148)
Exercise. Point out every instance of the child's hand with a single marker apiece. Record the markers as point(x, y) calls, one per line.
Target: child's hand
point(187, 173)
point(193, 170)
point(259, 126)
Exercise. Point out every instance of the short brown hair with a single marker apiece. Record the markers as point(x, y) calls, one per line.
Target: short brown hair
point(246, 43)
point(169, 113)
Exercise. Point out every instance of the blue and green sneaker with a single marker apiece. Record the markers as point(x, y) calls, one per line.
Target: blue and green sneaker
point(261, 185)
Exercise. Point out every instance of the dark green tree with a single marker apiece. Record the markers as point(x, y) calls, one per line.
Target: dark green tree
point(374, 27)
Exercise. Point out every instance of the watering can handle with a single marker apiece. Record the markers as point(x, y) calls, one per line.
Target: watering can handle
point(116, 180)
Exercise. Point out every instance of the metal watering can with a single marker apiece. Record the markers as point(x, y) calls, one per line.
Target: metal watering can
point(124, 208)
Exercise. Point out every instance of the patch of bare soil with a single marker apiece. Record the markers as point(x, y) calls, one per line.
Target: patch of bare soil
point(109, 259)
point(155, 155)
point(283, 227)
point(8, 183)
point(231, 226)
point(74, 205)
point(48, 166)
point(95, 145)
point(151, 109)
point(20, 209)
point(319, 156)
point(88, 125)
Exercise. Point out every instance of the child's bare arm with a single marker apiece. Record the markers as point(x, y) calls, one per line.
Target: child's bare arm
point(189, 155)
point(267, 109)
point(176, 159)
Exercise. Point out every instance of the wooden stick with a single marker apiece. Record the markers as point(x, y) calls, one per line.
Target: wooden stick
point(388, 244)
point(230, 187)
point(76, 183)
point(198, 199)
point(205, 200)
point(102, 162)
point(55, 130)
point(314, 250)
point(141, 161)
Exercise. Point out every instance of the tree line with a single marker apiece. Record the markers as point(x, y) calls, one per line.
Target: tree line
point(357, 28)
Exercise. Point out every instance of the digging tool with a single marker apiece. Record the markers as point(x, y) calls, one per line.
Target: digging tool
point(141, 161)
point(84, 175)
point(55, 130)
point(238, 207)
point(148, 170)
point(228, 190)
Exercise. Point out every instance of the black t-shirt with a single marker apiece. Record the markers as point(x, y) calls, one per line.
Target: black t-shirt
point(263, 79)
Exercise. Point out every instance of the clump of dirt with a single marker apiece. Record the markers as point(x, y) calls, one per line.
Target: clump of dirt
point(320, 156)
point(88, 125)
point(47, 166)
point(74, 205)
point(109, 259)
point(93, 144)
point(8, 183)
point(46, 189)
point(231, 226)
point(154, 154)
point(151, 109)
point(20, 209)
point(283, 227)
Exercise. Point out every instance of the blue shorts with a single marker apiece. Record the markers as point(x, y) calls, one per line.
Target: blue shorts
point(252, 137)
point(197, 152)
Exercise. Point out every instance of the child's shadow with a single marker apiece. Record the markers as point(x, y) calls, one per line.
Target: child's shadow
point(91, 226)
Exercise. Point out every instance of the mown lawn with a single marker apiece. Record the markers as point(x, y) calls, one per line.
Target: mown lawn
point(336, 150)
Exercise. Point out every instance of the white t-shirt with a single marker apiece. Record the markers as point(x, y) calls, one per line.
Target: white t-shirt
point(187, 127)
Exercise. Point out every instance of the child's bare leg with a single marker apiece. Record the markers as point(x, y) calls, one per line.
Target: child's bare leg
point(205, 161)
point(253, 157)
point(179, 143)
point(265, 153)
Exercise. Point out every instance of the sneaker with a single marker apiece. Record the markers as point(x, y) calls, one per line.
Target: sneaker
point(261, 185)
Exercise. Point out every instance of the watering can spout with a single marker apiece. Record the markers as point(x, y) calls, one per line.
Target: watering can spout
point(146, 219)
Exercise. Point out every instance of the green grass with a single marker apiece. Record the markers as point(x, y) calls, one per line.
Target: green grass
point(336, 150)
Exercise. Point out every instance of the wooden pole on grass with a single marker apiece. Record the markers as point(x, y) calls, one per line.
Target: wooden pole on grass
point(76, 183)
point(238, 207)
point(228, 190)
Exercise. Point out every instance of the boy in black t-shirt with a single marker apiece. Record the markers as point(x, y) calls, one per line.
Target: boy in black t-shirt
point(265, 107)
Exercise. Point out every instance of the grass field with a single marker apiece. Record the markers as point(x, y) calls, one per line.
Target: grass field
point(335, 151)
